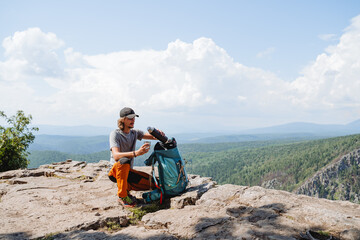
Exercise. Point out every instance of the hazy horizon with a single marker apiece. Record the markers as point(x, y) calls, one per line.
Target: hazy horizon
point(300, 127)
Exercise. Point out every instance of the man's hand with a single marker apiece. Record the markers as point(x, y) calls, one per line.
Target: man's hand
point(143, 149)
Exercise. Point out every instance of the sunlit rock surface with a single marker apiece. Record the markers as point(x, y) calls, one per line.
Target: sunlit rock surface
point(76, 200)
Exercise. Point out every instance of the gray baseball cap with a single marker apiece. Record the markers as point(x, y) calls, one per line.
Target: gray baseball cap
point(128, 112)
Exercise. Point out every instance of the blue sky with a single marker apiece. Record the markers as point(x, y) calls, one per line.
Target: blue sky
point(190, 65)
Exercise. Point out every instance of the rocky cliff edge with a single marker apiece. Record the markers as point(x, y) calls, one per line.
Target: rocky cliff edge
point(76, 200)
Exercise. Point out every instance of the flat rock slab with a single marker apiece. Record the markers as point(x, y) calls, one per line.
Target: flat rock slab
point(238, 212)
point(70, 197)
point(75, 197)
point(76, 200)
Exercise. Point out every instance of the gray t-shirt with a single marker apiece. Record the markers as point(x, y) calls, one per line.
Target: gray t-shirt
point(126, 142)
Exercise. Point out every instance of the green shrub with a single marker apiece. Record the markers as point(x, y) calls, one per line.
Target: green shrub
point(14, 141)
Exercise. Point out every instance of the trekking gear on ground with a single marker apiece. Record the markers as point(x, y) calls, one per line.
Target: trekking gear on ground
point(172, 179)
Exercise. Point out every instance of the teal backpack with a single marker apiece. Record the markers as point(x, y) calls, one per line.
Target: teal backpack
point(172, 179)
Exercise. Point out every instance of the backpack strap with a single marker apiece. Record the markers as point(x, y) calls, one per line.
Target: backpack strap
point(150, 161)
point(152, 173)
point(181, 170)
point(157, 186)
point(153, 160)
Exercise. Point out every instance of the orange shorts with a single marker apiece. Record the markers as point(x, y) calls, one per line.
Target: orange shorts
point(128, 179)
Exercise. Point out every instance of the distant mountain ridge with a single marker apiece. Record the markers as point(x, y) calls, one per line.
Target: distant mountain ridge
point(314, 128)
point(300, 130)
point(70, 144)
point(82, 130)
point(288, 128)
point(91, 139)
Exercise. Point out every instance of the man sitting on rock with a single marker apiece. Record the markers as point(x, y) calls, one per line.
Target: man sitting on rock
point(122, 147)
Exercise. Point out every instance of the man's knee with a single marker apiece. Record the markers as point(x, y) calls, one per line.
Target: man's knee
point(124, 160)
point(113, 179)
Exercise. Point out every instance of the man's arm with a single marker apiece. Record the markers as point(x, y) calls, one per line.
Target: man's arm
point(117, 154)
point(151, 137)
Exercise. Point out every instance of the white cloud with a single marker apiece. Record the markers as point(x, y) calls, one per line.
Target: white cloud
point(185, 75)
point(328, 37)
point(241, 98)
point(30, 57)
point(33, 52)
point(332, 81)
point(196, 83)
point(266, 53)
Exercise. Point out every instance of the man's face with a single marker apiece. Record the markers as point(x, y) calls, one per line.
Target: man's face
point(129, 122)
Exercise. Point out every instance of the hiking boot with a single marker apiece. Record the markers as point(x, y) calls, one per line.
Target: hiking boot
point(133, 198)
point(127, 202)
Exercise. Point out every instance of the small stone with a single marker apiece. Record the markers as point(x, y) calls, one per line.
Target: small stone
point(350, 234)
point(123, 221)
point(17, 181)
